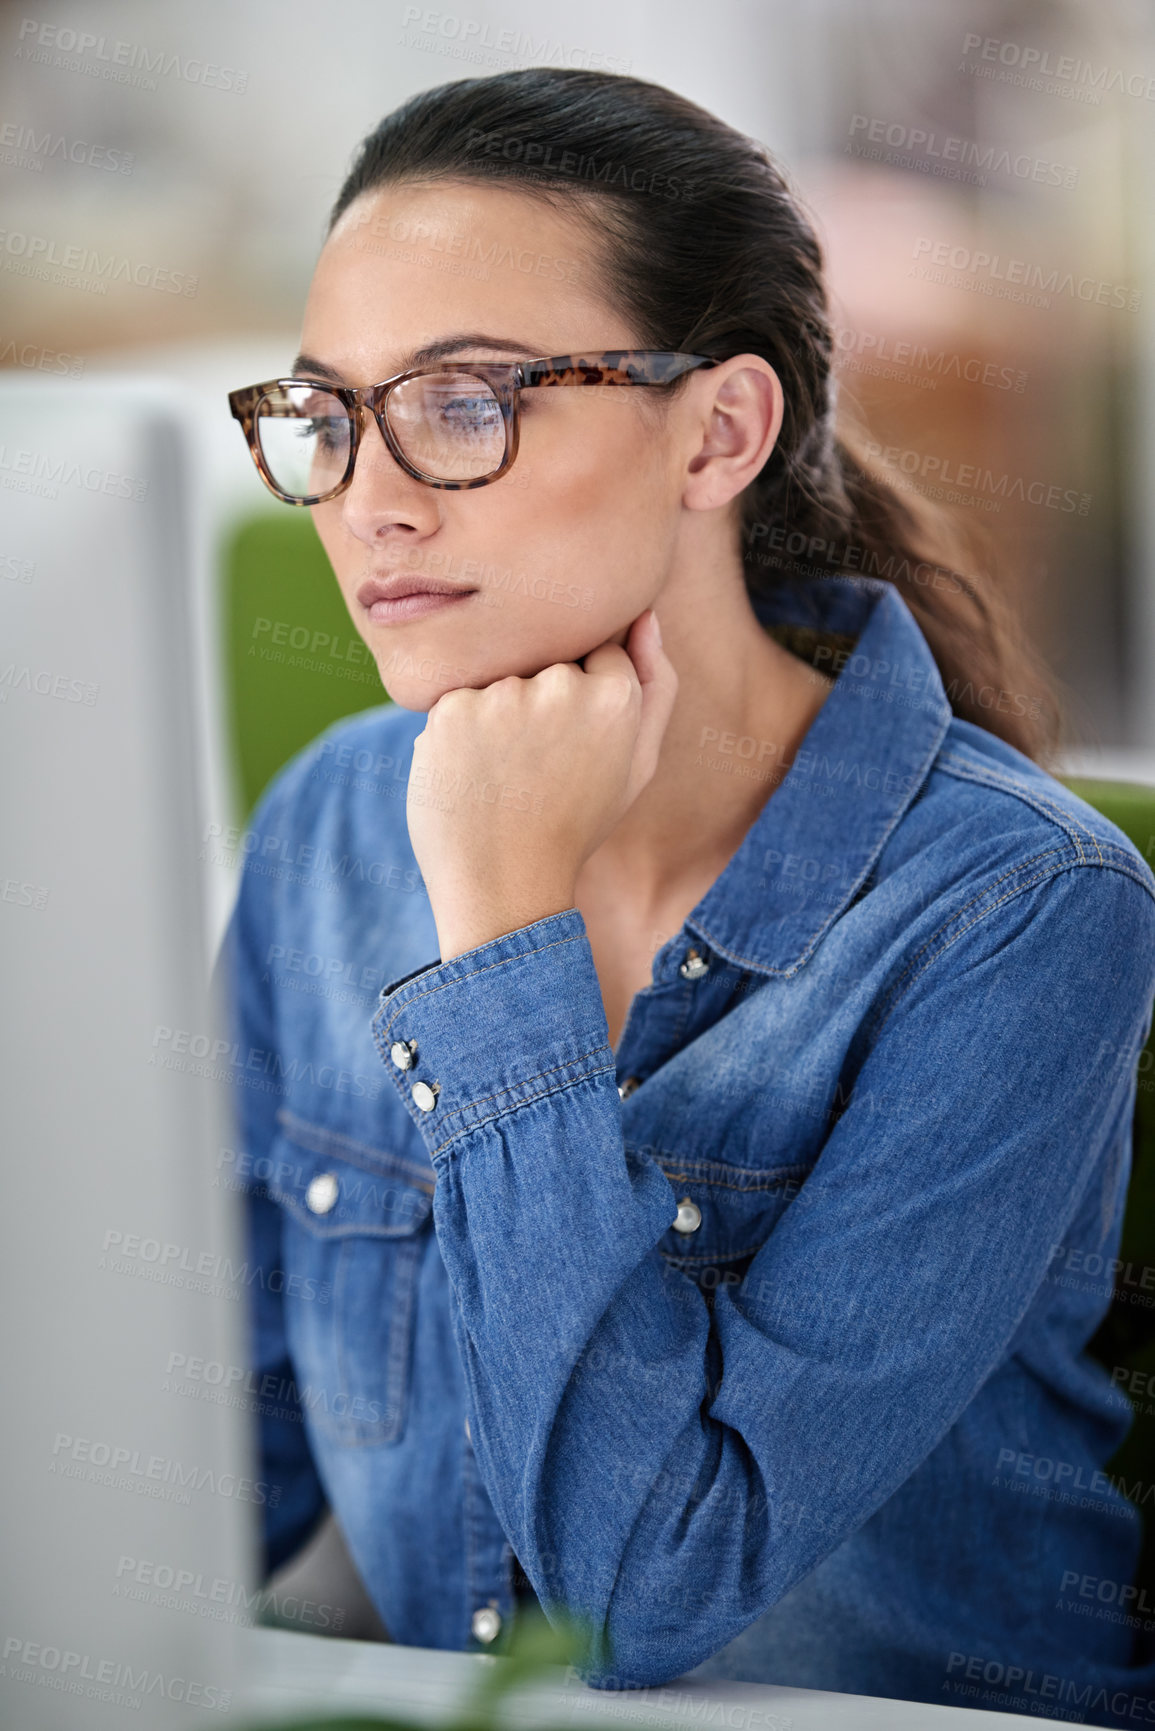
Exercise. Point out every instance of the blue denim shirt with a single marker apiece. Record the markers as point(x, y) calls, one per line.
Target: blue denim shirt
point(758, 1341)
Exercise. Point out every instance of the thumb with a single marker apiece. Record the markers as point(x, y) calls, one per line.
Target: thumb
point(659, 683)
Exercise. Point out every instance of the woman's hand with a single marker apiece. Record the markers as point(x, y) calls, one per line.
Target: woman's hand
point(513, 786)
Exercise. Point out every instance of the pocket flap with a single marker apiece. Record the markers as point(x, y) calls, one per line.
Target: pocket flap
point(738, 1206)
point(341, 1187)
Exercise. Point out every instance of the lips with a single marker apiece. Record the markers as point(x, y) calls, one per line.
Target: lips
point(403, 583)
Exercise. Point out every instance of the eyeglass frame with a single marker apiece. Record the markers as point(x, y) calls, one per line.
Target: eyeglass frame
point(506, 379)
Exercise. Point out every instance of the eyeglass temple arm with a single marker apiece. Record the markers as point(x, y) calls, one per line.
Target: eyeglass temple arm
point(614, 367)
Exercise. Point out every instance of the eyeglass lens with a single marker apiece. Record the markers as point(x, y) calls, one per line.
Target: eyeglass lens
point(449, 425)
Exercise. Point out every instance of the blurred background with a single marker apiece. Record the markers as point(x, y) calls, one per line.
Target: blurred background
point(981, 174)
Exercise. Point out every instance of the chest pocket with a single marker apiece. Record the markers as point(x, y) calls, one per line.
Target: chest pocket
point(725, 1215)
point(354, 1220)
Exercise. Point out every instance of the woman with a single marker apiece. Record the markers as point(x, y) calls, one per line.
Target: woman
point(661, 1130)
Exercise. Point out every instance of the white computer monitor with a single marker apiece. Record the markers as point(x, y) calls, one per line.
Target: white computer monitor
point(129, 1503)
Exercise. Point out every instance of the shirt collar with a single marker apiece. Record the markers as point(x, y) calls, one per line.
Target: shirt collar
point(865, 756)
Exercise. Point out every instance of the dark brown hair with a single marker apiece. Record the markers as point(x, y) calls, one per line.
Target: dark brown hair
point(702, 242)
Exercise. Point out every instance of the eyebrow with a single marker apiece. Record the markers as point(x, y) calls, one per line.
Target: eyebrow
point(429, 353)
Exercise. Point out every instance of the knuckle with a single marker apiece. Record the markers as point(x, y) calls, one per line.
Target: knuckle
point(450, 702)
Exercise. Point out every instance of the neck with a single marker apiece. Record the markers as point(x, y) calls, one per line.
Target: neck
point(743, 707)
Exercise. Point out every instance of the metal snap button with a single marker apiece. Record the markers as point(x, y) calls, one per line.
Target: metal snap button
point(689, 1216)
point(404, 1053)
point(486, 1623)
point(626, 1088)
point(694, 966)
point(321, 1195)
point(425, 1095)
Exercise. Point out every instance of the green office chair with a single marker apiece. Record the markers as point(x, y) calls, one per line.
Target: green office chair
point(295, 664)
point(1125, 1339)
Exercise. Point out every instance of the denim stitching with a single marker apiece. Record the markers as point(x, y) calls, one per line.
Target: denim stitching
point(489, 967)
point(1028, 883)
point(336, 1143)
point(711, 1258)
point(371, 1433)
point(467, 1105)
point(933, 757)
point(542, 1094)
point(967, 770)
point(978, 897)
point(1039, 877)
point(326, 1231)
point(742, 1189)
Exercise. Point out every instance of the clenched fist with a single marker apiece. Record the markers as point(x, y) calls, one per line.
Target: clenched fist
point(513, 786)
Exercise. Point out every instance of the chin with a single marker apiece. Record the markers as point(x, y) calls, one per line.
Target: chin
point(416, 673)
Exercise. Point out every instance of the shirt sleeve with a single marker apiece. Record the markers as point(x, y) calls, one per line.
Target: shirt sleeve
point(295, 1501)
point(667, 1509)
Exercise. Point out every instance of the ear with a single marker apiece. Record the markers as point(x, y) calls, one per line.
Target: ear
point(737, 426)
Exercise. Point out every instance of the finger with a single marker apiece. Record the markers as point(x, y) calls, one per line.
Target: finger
point(659, 683)
point(644, 646)
point(641, 649)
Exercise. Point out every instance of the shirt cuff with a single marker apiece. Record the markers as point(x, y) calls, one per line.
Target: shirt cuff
point(495, 1027)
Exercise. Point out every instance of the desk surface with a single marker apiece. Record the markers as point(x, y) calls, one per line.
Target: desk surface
point(292, 1674)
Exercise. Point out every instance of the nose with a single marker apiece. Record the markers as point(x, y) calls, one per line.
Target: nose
point(381, 495)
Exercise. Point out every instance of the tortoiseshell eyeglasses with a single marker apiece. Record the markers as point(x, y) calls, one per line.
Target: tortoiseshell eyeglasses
point(447, 426)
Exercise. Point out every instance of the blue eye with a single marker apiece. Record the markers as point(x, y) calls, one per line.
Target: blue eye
point(471, 414)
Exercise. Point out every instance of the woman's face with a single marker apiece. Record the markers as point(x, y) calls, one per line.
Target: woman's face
point(572, 543)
